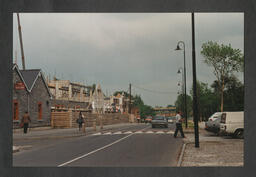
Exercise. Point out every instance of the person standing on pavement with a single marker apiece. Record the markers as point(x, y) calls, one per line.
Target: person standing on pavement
point(80, 120)
point(179, 125)
point(25, 121)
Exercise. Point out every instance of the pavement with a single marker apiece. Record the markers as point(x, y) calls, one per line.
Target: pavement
point(213, 150)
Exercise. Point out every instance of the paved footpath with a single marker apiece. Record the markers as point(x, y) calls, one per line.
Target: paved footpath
point(213, 151)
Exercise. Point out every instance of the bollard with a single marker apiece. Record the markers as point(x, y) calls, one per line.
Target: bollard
point(94, 125)
point(84, 128)
point(101, 124)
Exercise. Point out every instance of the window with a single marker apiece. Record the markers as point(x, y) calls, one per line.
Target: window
point(15, 110)
point(39, 111)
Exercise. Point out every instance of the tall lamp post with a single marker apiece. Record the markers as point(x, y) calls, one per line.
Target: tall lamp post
point(195, 109)
point(185, 91)
point(181, 71)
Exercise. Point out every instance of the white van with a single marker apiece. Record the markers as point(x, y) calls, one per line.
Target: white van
point(232, 123)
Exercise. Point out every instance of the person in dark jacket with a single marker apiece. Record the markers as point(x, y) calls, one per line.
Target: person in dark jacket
point(80, 120)
point(25, 121)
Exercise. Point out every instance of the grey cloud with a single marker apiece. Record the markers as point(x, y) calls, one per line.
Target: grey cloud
point(118, 49)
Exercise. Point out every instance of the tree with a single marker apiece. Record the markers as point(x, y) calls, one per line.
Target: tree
point(145, 110)
point(137, 101)
point(179, 103)
point(234, 95)
point(208, 103)
point(225, 60)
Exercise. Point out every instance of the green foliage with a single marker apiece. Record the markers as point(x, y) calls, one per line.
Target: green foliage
point(179, 103)
point(209, 98)
point(145, 110)
point(225, 61)
point(234, 95)
point(137, 101)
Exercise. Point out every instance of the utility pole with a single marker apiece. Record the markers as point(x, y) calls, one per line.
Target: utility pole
point(21, 43)
point(195, 109)
point(130, 93)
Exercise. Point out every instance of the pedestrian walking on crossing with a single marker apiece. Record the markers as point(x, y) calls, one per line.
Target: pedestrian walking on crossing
point(179, 121)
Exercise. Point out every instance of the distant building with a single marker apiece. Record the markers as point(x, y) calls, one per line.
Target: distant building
point(168, 111)
point(119, 103)
point(68, 94)
point(31, 93)
point(97, 100)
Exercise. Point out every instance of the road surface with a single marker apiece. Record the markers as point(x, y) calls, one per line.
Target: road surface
point(130, 146)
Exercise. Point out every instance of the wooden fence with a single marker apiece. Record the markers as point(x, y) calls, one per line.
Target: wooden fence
point(68, 119)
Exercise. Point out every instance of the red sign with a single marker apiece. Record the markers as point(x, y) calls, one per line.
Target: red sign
point(19, 86)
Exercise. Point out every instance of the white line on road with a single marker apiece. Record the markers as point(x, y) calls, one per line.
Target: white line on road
point(108, 133)
point(117, 133)
point(138, 132)
point(159, 132)
point(149, 132)
point(128, 132)
point(170, 132)
point(97, 133)
point(61, 165)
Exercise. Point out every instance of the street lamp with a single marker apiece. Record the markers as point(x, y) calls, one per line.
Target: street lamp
point(180, 71)
point(195, 110)
point(185, 91)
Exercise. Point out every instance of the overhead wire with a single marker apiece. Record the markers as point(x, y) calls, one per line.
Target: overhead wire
point(154, 91)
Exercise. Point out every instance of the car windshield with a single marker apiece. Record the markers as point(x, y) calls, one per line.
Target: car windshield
point(159, 118)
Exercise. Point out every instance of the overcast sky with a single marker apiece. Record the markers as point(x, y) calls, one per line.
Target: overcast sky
point(115, 49)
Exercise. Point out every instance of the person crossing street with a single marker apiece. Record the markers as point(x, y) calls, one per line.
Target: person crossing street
point(179, 125)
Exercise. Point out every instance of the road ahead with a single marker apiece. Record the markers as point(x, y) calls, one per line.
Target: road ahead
point(138, 145)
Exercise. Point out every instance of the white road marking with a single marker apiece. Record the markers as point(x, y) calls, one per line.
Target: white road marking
point(128, 132)
point(170, 132)
point(97, 133)
point(159, 132)
point(117, 133)
point(61, 165)
point(108, 133)
point(149, 132)
point(138, 132)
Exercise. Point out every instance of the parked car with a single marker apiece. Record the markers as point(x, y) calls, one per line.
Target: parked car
point(213, 123)
point(148, 119)
point(160, 121)
point(171, 119)
point(232, 123)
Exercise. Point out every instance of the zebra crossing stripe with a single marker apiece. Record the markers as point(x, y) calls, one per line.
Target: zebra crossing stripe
point(117, 133)
point(136, 132)
point(108, 133)
point(97, 133)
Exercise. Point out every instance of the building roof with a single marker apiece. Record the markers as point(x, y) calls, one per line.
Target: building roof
point(30, 76)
